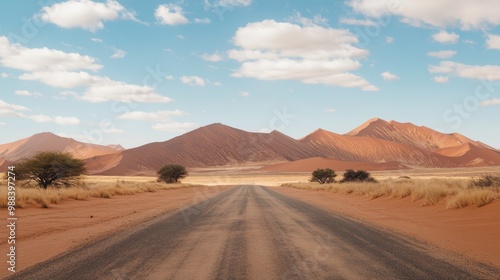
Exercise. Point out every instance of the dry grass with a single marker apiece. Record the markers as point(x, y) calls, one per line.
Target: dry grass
point(454, 193)
point(92, 186)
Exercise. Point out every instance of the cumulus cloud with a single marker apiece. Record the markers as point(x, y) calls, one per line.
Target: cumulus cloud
point(85, 14)
point(361, 22)
point(60, 69)
point(175, 126)
point(490, 102)
point(464, 14)
point(193, 81)
point(441, 79)
point(227, 3)
point(4, 75)
point(215, 57)
point(493, 42)
point(244, 93)
point(202, 20)
point(57, 120)
point(389, 40)
point(442, 54)
point(152, 116)
point(118, 53)
point(27, 93)
point(444, 37)
point(387, 76)
point(331, 110)
point(7, 109)
point(270, 50)
point(479, 72)
point(304, 21)
point(170, 14)
point(43, 59)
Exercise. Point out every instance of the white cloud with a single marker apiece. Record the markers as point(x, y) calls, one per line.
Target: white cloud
point(442, 54)
point(38, 59)
point(152, 116)
point(227, 3)
point(493, 42)
point(181, 37)
point(304, 21)
point(175, 126)
point(57, 69)
point(441, 79)
point(490, 102)
point(202, 20)
point(244, 93)
point(27, 93)
point(217, 84)
point(170, 14)
point(215, 57)
point(470, 42)
point(119, 53)
point(464, 14)
point(85, 14)
point(361, 22)
point(193, 81)
point(57, 120)
point(169, 78)
point(444, 37)
point(479, 72)
point(97, 40)
point(7, 109)
point(389, 40)
point(387, 76)
point(109, 90)
point(271, 50)
point(331, 110)
point(4, 75)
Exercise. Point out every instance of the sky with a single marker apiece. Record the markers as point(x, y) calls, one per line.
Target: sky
point(135, 72)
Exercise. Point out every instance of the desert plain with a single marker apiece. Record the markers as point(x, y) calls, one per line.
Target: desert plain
point(463, 240)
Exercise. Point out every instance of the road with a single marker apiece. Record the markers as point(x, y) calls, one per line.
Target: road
point(253, 232)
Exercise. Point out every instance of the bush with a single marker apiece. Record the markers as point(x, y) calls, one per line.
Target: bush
point(171, 173)
point(351, 175)
point(485, 181)
point(50, 168)
point(323, 176)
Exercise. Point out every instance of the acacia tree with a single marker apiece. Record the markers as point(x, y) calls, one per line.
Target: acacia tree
point(171, 173)
point(323, 176)
point(351, 175)
point(50, 168)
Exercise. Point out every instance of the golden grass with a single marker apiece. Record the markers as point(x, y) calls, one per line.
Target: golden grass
point(454, 193)
point(83, 189)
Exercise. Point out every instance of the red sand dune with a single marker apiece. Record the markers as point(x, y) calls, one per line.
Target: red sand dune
point(47, 141)
point(311, 164)
point(376, 144)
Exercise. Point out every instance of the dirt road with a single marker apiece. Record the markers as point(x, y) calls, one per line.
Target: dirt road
point(253, 232)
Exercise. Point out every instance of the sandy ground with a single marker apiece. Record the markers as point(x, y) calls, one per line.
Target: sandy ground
point(472, 232)
point(44, 233)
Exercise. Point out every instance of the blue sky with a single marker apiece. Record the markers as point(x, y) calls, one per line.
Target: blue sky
point(134, 72)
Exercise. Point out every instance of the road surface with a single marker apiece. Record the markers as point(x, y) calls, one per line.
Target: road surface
point(253, 232)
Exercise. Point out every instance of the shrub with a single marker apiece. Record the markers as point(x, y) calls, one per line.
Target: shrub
point(351, 175)
point(171, 173)
point(323, 176)
point(50, 168)
point(485, 181)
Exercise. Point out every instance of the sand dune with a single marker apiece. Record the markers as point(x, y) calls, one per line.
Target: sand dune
point(375, 145)
point(47, 141)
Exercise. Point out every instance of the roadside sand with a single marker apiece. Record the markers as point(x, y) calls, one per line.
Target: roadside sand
point(45, 233)
point(472, 232)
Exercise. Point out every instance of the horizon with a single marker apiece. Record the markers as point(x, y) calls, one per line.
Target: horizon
point(130, 73)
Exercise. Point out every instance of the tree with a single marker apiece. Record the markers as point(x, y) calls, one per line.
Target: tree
point(50, 168)
point(171, 173)
point(323, 176)
point(351, 175)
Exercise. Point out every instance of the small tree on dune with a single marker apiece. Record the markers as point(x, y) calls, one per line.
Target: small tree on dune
point(323, 176)
point(171, 173)
point(50, 168)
